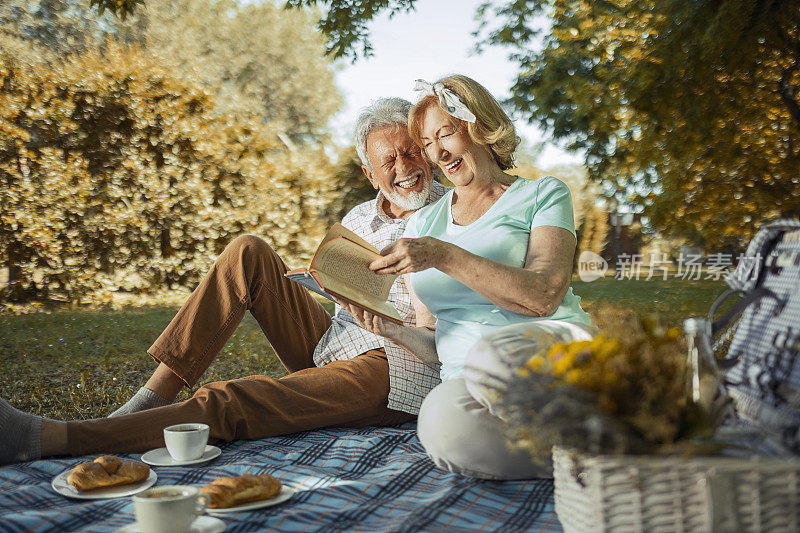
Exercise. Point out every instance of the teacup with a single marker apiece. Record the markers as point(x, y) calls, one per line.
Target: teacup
point(186, 442)
point(169, 509)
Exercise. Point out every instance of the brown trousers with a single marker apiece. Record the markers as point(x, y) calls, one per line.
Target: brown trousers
point(248, 275)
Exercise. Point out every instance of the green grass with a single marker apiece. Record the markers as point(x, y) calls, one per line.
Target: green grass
point(673, 299)
point(83, 364)
point(80, 364)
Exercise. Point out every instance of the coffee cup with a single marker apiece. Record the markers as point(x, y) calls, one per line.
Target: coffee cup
point(186, 442)
point(169, 509)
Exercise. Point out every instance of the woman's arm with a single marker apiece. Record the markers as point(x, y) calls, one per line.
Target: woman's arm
point(419, 340)
point(534, 290)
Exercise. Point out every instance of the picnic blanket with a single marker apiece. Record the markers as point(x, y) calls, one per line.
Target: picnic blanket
point(371, 480)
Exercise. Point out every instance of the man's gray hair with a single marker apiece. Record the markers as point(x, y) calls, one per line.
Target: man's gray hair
point(382, 113)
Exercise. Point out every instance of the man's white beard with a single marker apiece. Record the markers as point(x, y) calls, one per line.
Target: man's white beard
point(411, 201)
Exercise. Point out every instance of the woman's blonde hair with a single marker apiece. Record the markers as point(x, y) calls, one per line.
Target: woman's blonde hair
point(492, 127)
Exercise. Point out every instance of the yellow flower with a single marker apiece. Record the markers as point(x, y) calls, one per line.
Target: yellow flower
point(578, 346)
point(564, 363)
point(607, 349)
point(557, 349)
point(573, 376)
point(535, 363)
point(596, 342)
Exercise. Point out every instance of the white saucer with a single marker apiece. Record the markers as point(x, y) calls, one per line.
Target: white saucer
point(282, 496)
point(61, 486)
point(161, 457)
point(202, 524)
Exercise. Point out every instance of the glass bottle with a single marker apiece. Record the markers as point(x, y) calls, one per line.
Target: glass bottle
point(705, 382)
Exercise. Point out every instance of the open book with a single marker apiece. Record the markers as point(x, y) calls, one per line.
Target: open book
point(340, 268)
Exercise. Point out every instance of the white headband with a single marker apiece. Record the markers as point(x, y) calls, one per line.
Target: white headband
point(449, 101)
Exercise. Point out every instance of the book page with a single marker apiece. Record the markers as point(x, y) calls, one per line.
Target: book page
point(359, 298)
point(348, 263)
point(337, 230)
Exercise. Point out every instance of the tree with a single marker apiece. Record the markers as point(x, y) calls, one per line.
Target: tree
point(121, 8)
point(352, 187)
point(257, 58)
point(591, 224)
point(684, 108)
point(345, 20)
point(53, 27)
point(116, 173)
point(687, 110)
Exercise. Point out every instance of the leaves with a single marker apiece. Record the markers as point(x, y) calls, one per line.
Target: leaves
point(679, 117)
point(120, 8)
point(256, 58)
point(687, 111)
point(118, 175)
point(132, 151)
point(352, 187)
point(345, 22)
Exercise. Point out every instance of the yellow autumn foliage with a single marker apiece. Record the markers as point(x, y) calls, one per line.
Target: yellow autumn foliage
point(116, 174)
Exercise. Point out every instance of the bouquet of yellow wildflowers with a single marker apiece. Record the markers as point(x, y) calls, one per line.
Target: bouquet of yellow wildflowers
point(608, 395)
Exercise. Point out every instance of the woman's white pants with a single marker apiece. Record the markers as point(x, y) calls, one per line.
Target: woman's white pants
point(458, 424)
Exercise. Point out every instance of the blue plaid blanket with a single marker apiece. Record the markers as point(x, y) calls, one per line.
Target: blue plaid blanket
point(371, 480)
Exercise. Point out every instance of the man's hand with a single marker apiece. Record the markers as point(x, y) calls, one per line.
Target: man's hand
point(372, 323)
point(405, 256)
point(419, 341)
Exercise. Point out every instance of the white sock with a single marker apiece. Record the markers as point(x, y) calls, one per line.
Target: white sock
point(142, 400)
point(22, 435)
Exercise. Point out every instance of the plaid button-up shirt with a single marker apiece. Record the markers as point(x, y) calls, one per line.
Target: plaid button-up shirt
point(410, 380)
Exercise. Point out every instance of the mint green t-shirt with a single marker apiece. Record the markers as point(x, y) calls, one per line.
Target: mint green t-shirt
point(501, 234)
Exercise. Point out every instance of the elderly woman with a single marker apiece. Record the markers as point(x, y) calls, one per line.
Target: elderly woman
point(490, 267)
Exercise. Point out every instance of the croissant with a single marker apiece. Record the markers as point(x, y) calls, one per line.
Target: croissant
point(107, 471)
point(230, 491)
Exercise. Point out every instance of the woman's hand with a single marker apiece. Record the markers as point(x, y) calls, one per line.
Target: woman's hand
point(372, 323)
point(405, 256)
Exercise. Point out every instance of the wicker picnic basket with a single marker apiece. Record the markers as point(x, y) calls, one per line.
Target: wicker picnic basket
point(675, 494)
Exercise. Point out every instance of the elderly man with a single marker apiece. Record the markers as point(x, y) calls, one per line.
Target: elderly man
point(340, 374)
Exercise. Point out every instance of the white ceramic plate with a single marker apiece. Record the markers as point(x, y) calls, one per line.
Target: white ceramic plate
point(282, 496)
point(61, 486)
point(161, 457)
point(203, 524)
